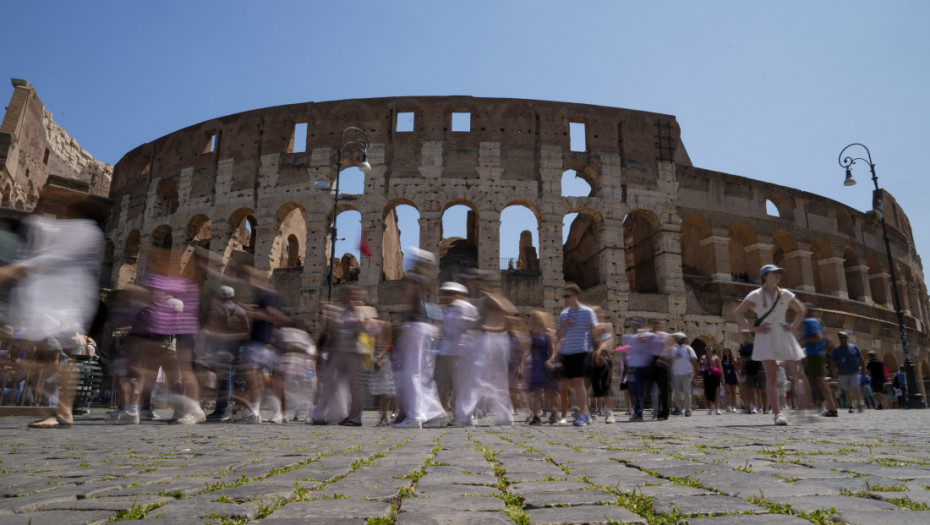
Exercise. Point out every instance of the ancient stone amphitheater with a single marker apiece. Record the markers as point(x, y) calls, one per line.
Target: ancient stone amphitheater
point(656, 237)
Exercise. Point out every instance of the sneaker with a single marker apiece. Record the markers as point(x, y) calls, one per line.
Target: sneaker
point(409, 423)
point(535, 421)
point(562, 421)
point(213, 417)
point(553, 419)
point(830, 413)
point(636, 417)
point(126, 418)
point(189, 418)
point(148, 415)
point(252, 419)
point(717, 412)
point(579, 421)
point(687, 413)
point(587, 418)
point(860, 408)
point(610, 417)
point(277, 419)
point(781, 420)
point(754, 410)
point(851, 410)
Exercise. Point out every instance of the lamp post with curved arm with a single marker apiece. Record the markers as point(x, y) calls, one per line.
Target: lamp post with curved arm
point(358, 143)
point(914, 397)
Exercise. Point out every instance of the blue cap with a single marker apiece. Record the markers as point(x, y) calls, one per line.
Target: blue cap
point(769, 268)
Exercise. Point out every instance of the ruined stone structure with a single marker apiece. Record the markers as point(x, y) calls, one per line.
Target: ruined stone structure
point(656, 237)
point(33, 146)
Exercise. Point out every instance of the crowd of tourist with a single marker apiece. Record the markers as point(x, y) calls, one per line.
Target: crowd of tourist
point(472, 357)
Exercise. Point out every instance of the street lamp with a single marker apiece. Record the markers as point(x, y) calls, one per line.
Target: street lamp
point(358, 142)
point(914, 398)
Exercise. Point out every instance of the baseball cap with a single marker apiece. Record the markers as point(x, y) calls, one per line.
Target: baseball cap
point(770, 268)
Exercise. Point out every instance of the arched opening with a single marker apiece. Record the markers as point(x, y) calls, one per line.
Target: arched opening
point(351, 181)
point(575, 186)
point(770, 209)
point(19, 205)
point(581, 248)
point(741, 237)
point(784, 244)
point(198, 235)
point(161, 237)
point(292, 251)
point(778, 205)
point(349, 232)
point(290, 235)
point(891, 363)
point(130, 260)
point(240, 248)
point(640, 233)
point(854, 282)
point(878, 283)
point(166, 198)
point(458, 249)
point(519, 240)
point(824, 278)
point(924, 378)
point(401, 229)
point(695, 258)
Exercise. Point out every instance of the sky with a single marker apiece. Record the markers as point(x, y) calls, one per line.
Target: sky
point(767, 90)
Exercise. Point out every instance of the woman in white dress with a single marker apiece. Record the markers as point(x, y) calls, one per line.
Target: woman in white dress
point(774, 335)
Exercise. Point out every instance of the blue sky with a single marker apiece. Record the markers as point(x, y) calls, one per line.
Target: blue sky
point(768, 90)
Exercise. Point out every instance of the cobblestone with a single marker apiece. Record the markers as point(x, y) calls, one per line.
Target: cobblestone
point(864, 468)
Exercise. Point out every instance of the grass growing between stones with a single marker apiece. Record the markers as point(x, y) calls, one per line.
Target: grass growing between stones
point(820, 516)
point(513, 502)
point(136, 512)
point(908, 503)
point(875, 487)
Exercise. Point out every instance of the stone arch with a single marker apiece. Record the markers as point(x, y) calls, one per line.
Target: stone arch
point(855, 283)
point(240, 247)
point(581, 247)
point(166, 198)
point(782, 203)
point(348, 232)
point(878, 280)
point(891, 362)
point(290, 236)
point(640, 238)
point(742, 267)
point(197, 235)
point(519, 238)
point(845, 223)
point(575, 186)
point(161, 237)
point(586, 171)
point(19, 205)
point(700, 344)
point(697, 257)
point(457, 253)
point(782, 245)
point(6, 194)
point(129, 263)
point(923, 377)
point(395, 214)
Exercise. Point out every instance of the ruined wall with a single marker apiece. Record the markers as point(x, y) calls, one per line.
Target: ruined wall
point(656, 237)
point(33, 146)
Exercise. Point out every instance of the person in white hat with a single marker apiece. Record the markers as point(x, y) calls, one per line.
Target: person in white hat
point(774, 340)
point(458, 321)
point(684, 366)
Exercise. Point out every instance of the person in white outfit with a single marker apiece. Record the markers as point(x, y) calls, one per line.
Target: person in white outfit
point(774, 340)
point(684, 366)
point(456, 349)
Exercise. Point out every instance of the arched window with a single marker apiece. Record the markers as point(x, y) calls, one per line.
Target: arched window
point(640, 233)
point(401, 229)
point(519, 240)
point(581, 249)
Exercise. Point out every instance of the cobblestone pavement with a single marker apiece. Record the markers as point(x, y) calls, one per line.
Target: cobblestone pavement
point(860, 468)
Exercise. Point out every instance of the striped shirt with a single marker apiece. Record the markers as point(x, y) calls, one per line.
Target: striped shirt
point(166, 320)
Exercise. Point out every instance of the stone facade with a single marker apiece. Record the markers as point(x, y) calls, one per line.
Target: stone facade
point(33, 146)
point(656, 237)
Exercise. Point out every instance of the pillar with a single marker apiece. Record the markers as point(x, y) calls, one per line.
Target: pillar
point(489, 244)
point(715, 250)
point(833, 276)
point(799, 274)
point(757, 256)
point(859, 274)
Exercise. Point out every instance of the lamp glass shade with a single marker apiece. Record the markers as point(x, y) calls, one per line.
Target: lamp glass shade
point(850, 181)
point(364, 167)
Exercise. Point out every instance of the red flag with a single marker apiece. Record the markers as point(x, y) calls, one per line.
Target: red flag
point(363, 243)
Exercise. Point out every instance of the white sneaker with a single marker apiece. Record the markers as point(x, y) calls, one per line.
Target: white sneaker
point(754, 410)
point(277, 419)
point(409, 423)
point(610, 417)
point(717, 412)
point(126, 418)
point(189, 418)
point(562, 421)
point(781, 420)
point(148, 415)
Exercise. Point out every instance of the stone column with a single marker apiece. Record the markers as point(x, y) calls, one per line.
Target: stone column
point(757, 256)
point(265, 232)
point(715, 251)
point(800, 275)
point(489, 240)
point(833, 276)
point(882, 281)
point(669, 277)
point(550, 259)
point(430, 231)
point(859, 274)
point(613, 271)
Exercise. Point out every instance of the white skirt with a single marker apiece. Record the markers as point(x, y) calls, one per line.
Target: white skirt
point(777, 345)
point(417, 391)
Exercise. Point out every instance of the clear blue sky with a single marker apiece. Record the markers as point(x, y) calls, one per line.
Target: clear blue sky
point(768, 90)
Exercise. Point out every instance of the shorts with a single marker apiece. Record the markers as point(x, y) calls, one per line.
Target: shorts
point(814, 366)
point(258, 354)
point(849, 381)
point(754, 380)
point(574, 365)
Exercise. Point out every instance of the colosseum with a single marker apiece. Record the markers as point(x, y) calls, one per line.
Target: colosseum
point(656, 237)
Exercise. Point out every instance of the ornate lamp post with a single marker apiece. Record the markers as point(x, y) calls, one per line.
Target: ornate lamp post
point(914, 398)
point(358, 143)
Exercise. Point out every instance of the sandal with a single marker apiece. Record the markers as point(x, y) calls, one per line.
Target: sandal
point(53, 421)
